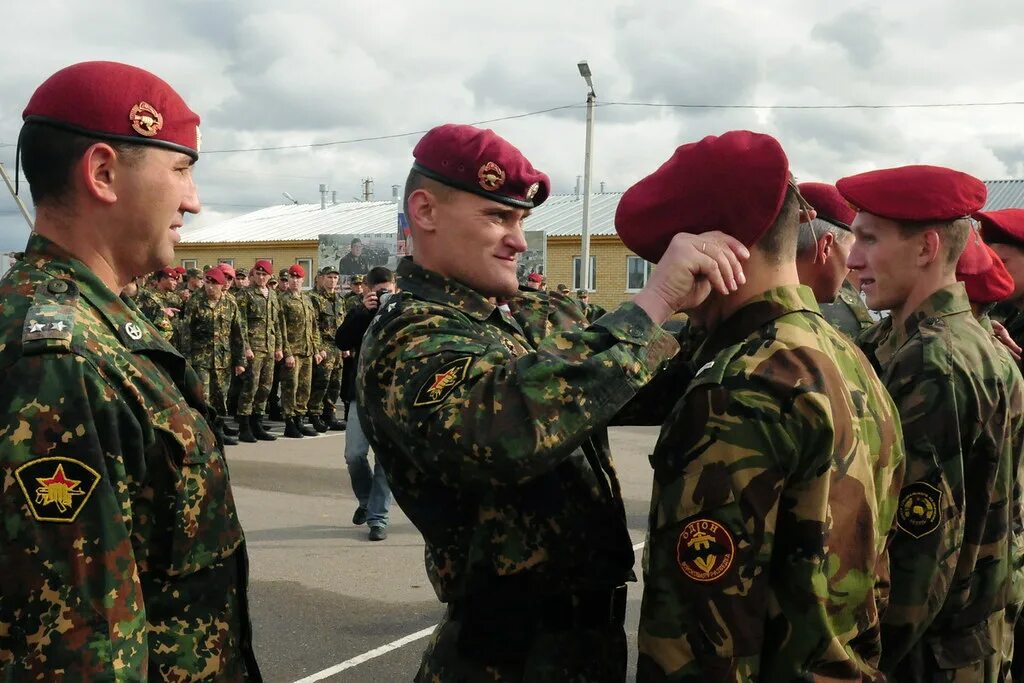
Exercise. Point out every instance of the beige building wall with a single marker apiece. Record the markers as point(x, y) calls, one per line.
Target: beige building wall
point(282, 254)
point(610, 255)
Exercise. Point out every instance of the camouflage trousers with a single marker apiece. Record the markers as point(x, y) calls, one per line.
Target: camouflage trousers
point(326, 384)
point(215, 387)
point(581, 655)
point(256, 384)
point(295, 386)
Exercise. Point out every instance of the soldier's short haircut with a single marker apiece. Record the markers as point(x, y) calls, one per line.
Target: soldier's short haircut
point(48, 154)
point(779, 243)
point(416, 181)
point(379, 275)
point(809, 234)
point(952, 233)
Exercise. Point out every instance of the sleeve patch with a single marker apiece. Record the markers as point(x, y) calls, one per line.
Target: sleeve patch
point(705, 550)
point(56, 489)
point(440, 386)
point(918, 511)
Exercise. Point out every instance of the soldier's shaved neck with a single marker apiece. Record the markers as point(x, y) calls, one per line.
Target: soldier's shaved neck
point(763, 272)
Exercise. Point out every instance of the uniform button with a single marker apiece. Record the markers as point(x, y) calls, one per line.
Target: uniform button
point(57, 286)
point(634, 332)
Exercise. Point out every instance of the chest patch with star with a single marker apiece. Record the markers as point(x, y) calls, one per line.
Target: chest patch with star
point(442, 383)
point(49, 321)
point(56, 488)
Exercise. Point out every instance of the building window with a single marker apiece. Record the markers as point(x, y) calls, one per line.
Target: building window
point(637, 272)
point(188, 263)
point(307, 265)
point(229, 261)
point(576, 273)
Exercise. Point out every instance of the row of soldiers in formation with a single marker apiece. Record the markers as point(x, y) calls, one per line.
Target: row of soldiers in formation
point(256, 341)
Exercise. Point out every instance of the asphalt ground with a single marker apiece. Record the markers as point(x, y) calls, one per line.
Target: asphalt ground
point(323, 595)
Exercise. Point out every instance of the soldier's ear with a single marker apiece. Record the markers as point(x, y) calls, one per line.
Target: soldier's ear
point(97, 171)
point(422, 207)
point(929, 247)
point(825, 243)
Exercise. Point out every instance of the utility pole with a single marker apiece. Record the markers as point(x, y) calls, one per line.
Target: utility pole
point(17, 199)
point(367, 189)
point(588, 164)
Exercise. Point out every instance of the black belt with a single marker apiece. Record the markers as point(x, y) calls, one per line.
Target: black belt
point(559, 611)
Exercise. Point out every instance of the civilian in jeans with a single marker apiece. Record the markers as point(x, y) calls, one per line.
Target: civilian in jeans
point(370, 486)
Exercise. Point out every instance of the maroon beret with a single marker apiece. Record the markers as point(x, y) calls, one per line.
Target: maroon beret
point(217, 275)
point(735, 183)
point(481, 162)
point(982, 271)
point(915, 193)
point(297, 271)
point(535, 277)
point(180, 270)
point(264, 265)
point(114, 101)
point(1005, 225)
point(168, 272)
point(828, 203)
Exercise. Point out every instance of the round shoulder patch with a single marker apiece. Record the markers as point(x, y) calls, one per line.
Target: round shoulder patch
point(705, 550)
point(918, 512)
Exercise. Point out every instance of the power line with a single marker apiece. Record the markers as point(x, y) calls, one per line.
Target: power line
point(927, 105)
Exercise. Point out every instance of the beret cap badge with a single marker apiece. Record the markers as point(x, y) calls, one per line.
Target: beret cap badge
point(491, 176)
point(146, 120)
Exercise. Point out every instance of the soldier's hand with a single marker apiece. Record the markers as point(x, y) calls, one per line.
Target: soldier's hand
point(249, 355)
point(1004, 338)
point(278, 355)
point(346, 354)
point(691, 267)
point(370, 300)
point(289, 362)
point(239, 369)
point(171, 311)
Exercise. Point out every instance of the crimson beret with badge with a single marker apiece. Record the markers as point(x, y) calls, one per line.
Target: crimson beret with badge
point(168, 272)
point(1005, 226)
point(264, 266)
point(117, 102)
point(481, 162)
point(297, 271)
point(828, 203)
point(915, 193)
point(982, 271)
point(735, 183)
point(217, 275)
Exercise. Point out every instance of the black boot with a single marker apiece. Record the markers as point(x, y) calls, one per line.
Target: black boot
point(245, 432)
point(316, 422)
point(291, 428)
point(258, 430)
point(332, 422)
point(228, 429)
point(274, 412)
point(304, 428)
point(227, 439)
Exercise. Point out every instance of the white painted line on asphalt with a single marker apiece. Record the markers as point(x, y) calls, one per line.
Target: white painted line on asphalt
point(384, 649)
point(366, 656)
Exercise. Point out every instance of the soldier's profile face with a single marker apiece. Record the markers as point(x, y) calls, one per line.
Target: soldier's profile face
point(260, 278)
point(883, 260)
point(480, 243)
point(1013, 258)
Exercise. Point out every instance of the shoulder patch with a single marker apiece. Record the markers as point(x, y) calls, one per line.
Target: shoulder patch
point(705, 550)
point(56, 488)
point(49, 321)
point(443, 382)
point(918, 511)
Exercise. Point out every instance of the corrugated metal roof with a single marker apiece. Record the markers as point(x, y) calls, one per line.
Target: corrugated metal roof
point(1005, 194)
point(299, 222)
point(560, 216)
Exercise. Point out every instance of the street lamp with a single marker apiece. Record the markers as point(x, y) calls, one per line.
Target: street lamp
point(588, 163)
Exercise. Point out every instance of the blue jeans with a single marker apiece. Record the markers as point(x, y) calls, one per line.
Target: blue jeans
point(370, 486)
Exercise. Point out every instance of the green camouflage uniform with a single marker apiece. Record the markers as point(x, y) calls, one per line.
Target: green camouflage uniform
point(848, 313)
point(172, 300)
point(214, 340)
point(121, 555)
point(300, 337)
point(775, 481)
point(262, 315)
point(152, 307)
point(491, 430)
point(326, 385)
point(956, 551)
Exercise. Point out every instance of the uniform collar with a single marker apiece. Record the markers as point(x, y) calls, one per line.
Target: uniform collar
point(426, 284)
point(124, 318)
point(755, 314)
point(948, 300)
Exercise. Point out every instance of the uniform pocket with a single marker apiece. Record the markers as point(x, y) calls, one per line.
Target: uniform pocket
point(205, 525)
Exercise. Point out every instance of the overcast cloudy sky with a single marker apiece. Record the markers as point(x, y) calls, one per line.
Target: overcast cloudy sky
point(262, 74)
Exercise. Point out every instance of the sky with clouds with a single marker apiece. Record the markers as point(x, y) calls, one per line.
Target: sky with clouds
point(266, 74)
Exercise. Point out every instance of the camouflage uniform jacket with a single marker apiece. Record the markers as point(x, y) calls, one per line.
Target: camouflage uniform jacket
point(775, 479)
point(848, 313)
point(120, 548)
point(350, 301)
point(491, 430)
point(330, 311)
point(299, 330)
point(1011, 315)
point(152, 306)
point(262, 315)
point(214, 335)
point(952, 555)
